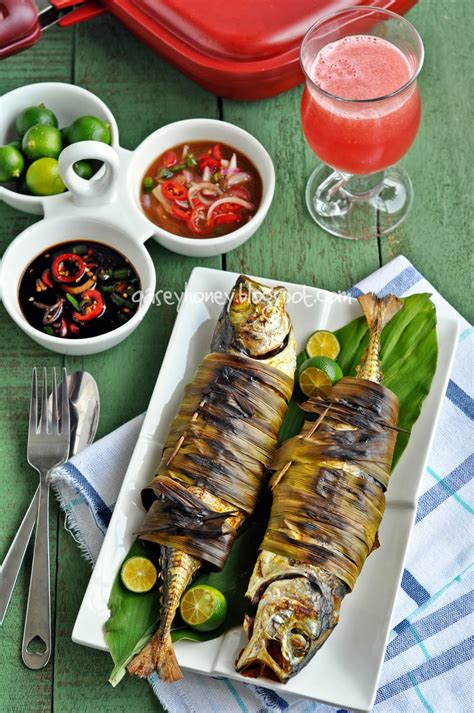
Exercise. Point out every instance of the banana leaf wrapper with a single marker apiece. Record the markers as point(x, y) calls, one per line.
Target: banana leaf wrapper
point(222, 440)
point(329, 485)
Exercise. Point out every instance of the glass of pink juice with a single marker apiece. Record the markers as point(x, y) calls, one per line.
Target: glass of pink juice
point(360, 113)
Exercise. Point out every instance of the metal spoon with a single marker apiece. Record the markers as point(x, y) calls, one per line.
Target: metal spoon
point(84, 415)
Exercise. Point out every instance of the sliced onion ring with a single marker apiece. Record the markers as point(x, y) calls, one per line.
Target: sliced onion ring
point(205, 185)
point(229, 199)
point(183, 204)
point(237, 178)
point(53, 313)
point(158, 193)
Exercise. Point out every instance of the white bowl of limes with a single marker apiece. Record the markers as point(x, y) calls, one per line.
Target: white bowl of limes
point(38, 121)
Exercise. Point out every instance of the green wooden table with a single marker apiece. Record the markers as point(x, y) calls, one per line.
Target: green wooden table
point(144, 93)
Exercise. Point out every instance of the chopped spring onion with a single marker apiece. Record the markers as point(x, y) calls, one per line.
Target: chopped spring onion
point(148, 184)
point(73, 301)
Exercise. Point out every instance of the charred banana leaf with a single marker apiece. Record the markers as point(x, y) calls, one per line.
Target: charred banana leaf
point(221, 441)
point(328, 501)
point(328, 506)
point(217, 452)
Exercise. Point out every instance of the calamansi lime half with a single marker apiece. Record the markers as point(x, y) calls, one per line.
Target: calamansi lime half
point(203, 608)
point(138, 574)
point(314, 382)
point(323, 343)
point(317, 375)
point(330, 367)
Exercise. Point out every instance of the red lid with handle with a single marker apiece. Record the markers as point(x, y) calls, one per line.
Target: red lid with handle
point(244, 50)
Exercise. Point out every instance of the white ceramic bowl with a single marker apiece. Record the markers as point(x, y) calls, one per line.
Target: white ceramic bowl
point(201, 130)
point(68, 102)
point(46, 233)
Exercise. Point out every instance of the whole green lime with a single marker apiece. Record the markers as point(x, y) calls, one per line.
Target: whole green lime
point(87, 128)
point(12, 163)
point(84, 169)
point(42, 141)
point(43, 179)
point(33, 115)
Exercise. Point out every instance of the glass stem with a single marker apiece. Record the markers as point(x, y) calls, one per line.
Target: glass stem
point(362, 187)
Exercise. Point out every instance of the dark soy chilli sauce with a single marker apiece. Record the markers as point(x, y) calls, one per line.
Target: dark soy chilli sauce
point(201, 189)
point(79, 289)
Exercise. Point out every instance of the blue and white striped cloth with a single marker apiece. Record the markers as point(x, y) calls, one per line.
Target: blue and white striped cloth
point(427, 664)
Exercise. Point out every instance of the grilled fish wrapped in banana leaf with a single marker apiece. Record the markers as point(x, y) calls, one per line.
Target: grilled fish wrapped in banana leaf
point(218, 451)
point(328, 490)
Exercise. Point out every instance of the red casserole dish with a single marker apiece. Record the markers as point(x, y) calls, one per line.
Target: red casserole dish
point(243, 50)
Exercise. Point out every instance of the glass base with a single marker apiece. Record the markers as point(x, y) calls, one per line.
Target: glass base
point(359, 207)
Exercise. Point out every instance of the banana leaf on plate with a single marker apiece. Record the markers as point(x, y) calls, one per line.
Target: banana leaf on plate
point(409, 352)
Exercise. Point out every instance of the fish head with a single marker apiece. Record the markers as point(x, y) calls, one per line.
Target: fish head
point(255, 321)
point(292, 622)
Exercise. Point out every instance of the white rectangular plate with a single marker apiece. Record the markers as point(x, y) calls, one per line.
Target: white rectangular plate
point(346, 670)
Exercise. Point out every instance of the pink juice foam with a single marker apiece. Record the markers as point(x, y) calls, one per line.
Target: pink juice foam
point(360, 137)
point(360, 67)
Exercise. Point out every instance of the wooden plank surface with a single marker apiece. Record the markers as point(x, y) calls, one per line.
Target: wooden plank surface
point(21, 689)
point(144, 93)
point(437, 236)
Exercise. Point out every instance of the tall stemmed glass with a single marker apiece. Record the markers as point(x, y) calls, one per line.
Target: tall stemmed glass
point(360, 112)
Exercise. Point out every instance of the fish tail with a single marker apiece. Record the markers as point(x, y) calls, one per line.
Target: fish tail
point(378, 311)
point(166, 663)
point(158, 655)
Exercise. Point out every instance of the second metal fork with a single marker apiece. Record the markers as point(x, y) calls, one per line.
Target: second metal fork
point(48, 446)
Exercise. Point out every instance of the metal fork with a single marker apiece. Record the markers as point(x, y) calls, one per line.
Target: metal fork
point(48, 446)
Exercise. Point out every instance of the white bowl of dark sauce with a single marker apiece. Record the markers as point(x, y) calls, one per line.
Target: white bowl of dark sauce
point(76, 285)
